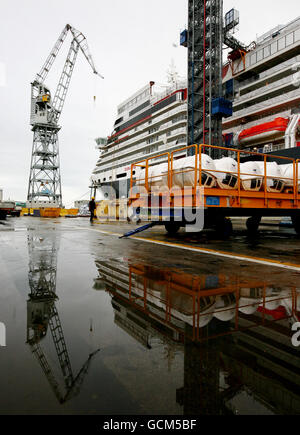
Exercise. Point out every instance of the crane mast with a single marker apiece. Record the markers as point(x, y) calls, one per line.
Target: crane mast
point(45, 181)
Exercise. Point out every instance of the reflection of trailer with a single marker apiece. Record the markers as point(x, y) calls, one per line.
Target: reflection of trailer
point(218, 203)
point(186, 303)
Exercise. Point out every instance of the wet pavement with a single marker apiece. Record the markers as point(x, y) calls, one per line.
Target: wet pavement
point(153, 325)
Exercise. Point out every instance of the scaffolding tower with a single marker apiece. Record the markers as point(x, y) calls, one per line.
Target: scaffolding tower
point(204, 41)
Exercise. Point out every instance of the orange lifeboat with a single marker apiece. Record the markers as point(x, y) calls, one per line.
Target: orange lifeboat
point(264, 132)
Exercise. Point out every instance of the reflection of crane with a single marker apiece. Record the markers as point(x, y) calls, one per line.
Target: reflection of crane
point(44, 181)
point(42, 313)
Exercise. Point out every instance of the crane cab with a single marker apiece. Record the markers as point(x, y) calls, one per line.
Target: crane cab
point(41, 106)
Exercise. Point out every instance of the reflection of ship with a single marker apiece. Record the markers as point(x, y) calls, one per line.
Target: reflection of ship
point(42, 314)
point(241, 355)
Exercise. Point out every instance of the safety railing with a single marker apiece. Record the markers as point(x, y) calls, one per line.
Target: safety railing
point(287, 187)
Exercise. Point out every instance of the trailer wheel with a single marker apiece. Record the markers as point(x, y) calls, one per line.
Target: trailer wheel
point(172, 228)
point(224, 228)
point(253, 224)
point(296, 224)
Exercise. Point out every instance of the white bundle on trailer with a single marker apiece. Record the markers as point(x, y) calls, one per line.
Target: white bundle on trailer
point(251, 178)
point(208, 174)
point(155, 175)
point(184, 171)
point(227, 175)
point(275, 183)
point(288, 174)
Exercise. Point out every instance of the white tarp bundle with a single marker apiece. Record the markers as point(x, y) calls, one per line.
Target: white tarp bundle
point(251, 178)
point(288, 174)
point(227, 175)
point(274, 175)
point(184, 171)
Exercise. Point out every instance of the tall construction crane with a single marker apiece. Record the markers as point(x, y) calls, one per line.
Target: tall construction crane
point(44, 179)
point(42, 315)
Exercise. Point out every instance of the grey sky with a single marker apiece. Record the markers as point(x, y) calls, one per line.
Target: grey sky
point(131, 42)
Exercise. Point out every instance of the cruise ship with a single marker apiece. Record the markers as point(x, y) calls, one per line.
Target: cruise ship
point(264, 84)
point(151, 122)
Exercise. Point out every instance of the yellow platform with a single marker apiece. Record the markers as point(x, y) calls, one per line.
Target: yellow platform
point(50, 212)
point(69, 211)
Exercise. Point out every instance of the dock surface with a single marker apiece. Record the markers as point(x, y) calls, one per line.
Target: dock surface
point(133, 322)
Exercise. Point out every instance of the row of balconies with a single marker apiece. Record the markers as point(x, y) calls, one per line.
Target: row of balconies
point(137, 154)
point(268, 105)
point(143, 131)
point(156, 118)
point(279, 87)
point(270, 75)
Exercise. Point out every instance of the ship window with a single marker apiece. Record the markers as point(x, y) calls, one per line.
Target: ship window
point(274, 47)
point(267, 51)
point(253, 59)
point(118, 121)
point(122, 175)
point(259, 55)
point(104, 179)
point(281, 44)
point(297, 35)
point(290, 39)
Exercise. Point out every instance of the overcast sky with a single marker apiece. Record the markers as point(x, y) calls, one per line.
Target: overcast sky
point(132, 42)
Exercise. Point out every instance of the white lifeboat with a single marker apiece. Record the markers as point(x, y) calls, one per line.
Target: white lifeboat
point(288, 174)
point(227, 175)
point(155, 175)
point(267, 131)
point(184, 171)
point(275, 183)
point(251, 179)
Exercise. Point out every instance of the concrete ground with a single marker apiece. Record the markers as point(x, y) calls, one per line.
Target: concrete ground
point(71, 257)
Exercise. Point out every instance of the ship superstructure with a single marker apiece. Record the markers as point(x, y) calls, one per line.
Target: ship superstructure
point(152, 121)
point(265, 86)
point(262, 80)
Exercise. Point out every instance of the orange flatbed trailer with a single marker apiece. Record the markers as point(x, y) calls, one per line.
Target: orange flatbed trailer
point(217, 203)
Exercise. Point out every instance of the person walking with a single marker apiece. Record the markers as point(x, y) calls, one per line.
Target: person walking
point(92, 208)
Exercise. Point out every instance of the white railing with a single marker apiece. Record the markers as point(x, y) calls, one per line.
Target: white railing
point(136, 139)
